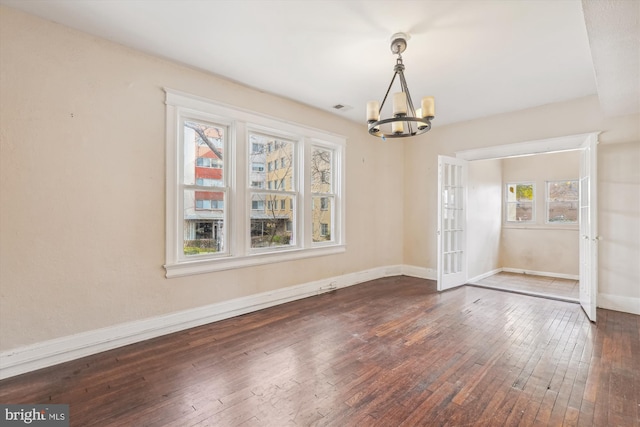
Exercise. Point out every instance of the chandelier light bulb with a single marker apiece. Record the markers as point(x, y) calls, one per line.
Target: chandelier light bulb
point(373, 111)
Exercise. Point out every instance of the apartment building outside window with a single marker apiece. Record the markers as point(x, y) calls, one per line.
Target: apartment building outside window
point(248, 185)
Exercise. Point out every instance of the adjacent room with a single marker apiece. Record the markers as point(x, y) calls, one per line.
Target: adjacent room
point(530, 205)
point(320, 212)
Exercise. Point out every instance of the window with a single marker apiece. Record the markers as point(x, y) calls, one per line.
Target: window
point(257, 148)
point(208, 182)
point(209, 204)
point(323, 191)
point(519, 202)
point(248, 185)
point(209, 162)
point(324, 203)
point(562, 202)
point(203, 190)
point(269, 230)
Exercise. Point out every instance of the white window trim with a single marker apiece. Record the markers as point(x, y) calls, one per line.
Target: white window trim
point(239, 121)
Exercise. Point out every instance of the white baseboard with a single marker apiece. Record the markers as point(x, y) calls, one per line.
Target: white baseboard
point(47, 353)
point(619, 303)
point(542, 273)
point(420, 272)
point(484, 275)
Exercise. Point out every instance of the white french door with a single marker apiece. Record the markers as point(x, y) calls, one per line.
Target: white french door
point(452, 222)
point(587, 144)
point(588, 228)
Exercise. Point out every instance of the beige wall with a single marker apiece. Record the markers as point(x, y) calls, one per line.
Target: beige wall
point(619, 220)
point(484, 216)
point(82, 177)
point(536, 246)
point(82, 185)
point(618, 183)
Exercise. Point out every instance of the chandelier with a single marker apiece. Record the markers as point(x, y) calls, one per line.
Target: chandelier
point(406, 120)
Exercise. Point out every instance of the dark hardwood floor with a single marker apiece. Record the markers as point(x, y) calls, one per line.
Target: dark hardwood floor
point(391, 352)
point(529, 284)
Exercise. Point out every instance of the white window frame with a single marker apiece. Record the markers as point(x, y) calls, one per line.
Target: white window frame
point(237, 166)
point(507, 202)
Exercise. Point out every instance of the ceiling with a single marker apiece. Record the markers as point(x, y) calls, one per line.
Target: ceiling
point(477, 58)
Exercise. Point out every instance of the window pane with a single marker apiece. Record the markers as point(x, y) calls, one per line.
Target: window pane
point(563, 190)
point(321, 164)
point(511, 193)
point(563, 211)
point(322, 216)
point(272, 217)
point(520, 202)
point(523, 192)
point(271, 161)
point(203, 222)
point(562, 201)
point(524, 211)
point(203, 154)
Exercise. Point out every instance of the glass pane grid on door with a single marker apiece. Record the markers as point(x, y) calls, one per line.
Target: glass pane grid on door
point(453, 212)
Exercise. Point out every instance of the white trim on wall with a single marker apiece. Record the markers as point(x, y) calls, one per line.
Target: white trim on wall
point(484, 275)
point(421, 272)
point(542, 273)
point(619, 303)
point(47, 353)
point(521, 271)
point(550, 145)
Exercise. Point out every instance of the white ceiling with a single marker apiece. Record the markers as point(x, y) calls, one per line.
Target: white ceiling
point(477, 58)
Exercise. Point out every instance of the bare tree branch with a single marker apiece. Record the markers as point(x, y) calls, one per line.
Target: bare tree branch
point(204, 137)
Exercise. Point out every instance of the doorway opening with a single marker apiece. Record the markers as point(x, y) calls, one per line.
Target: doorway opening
point(476, 250)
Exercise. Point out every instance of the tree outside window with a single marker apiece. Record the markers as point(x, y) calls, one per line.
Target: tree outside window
point(520, 202)
point(204, 188)
point(275, 225)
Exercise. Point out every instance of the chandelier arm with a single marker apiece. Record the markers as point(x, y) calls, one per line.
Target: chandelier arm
point(387, 94)
point(405, 89)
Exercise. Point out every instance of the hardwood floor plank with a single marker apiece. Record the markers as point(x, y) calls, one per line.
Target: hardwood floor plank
point(384, 353)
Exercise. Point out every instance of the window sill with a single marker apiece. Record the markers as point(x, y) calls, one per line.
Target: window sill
point(529, 226)
point(189, 268)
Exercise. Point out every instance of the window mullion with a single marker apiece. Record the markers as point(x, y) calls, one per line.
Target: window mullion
point(238, 180)
point(305, 198)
